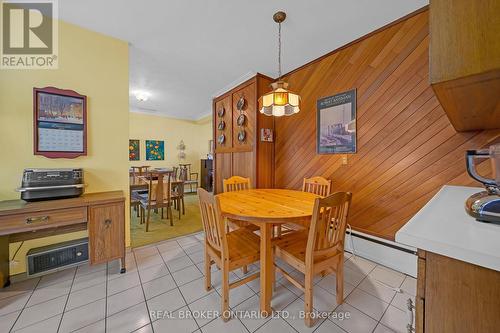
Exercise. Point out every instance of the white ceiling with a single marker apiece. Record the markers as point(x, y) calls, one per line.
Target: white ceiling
point(184, 52)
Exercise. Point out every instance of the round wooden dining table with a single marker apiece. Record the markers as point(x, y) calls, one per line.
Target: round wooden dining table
point(265, 208)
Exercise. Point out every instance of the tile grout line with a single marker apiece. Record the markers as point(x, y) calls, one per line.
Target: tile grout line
point(67, 299)
point(392, 299)
point(142, 288)
point(24, 307)
point(177, 286)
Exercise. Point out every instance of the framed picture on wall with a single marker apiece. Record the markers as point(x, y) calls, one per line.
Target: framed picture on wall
point(155, 150)
point(266, 135)
point(336, 124)
point(134, 150)
point(59, 123)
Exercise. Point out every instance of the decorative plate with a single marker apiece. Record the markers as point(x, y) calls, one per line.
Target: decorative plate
point(222, 125)
point(241, 120)
point(242, 135)
point(221, 139)
point(221, 112)
point(241, 103)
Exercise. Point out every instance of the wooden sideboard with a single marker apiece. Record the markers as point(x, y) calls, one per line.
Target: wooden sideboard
point(456, 297)
point(251, 157)
point(102, 214)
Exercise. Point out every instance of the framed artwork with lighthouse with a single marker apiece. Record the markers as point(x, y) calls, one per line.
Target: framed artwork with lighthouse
point(336, 124)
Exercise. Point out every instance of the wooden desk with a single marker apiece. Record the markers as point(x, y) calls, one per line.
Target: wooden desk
point(103, 214)
point(264, 208)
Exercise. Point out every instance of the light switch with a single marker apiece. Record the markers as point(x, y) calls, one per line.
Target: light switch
point(344, 160)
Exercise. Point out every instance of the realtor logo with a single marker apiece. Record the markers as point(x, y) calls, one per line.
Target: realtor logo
point(29, 34)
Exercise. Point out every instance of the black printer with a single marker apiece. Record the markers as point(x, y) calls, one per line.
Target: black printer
point(46, 184)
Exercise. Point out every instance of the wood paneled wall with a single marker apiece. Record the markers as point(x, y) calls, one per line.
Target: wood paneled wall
point(407, 148)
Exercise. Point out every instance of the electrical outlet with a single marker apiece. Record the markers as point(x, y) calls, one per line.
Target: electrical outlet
point(344, 160)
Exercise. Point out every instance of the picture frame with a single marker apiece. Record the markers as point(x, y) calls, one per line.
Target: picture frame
point(266, 135)
point(336, 124)
point(59, 123)
point(134, 150)
point(155, 150)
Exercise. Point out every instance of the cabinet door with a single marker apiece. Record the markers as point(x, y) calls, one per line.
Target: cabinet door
point(106, 232)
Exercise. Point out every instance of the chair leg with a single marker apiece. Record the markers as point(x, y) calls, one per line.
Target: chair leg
point(208, 272)
point(308, 299)
point(171, 215)
point(162, 213)
point(147, 220)
point(339, 277)
point(225, 292)
point(178, 201)
point(244, 269)
point(138, 211)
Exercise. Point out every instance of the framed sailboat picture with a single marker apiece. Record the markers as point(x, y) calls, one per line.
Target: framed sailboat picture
point(336, 124)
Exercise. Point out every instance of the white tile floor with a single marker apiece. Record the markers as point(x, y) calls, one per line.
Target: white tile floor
point(163, 291)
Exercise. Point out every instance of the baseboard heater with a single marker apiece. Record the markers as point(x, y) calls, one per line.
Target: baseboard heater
point(381, 241)
point(385, 252)
point(55, 257)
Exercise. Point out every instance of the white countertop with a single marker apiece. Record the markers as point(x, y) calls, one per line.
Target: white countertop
point(443, 226)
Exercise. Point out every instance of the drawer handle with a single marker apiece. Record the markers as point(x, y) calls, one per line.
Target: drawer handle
point(409, 312)
point(107, 223)
point(39, 219)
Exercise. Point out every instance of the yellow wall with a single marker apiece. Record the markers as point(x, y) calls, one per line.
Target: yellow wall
point(152, 127)
point(94, 65)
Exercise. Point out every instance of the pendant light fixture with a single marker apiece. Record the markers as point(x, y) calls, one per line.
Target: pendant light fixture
point(280, 101)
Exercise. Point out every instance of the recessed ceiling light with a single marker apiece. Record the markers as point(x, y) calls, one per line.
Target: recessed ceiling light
point(142, 96)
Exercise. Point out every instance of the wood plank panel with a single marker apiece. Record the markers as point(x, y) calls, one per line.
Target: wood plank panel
point(407, 148)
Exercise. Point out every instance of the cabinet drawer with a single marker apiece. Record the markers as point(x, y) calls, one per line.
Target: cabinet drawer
point(106, 232)
point(41, 220)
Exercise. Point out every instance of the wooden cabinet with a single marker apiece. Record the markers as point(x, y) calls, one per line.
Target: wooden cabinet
point(465, 61)
point(106, 232)
point(249, 157)
point(103, 214)
point(456, 297)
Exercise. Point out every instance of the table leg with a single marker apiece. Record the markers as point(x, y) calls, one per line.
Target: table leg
point(266, 268)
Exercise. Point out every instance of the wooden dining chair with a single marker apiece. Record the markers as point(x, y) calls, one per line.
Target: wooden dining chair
point(177, 196)
point(237, 183)
point(158, 197)
point(175, 172)
point(321, 250)
point(139, 170)
point(228, 250)
point(189, 178)
point(317, 185)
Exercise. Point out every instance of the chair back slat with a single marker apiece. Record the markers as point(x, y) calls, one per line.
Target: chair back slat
point(328, 225)
point(317, 185)
point(139, 171)
point(213, 222)
point(159, 188)
point(175, 172)
point(236, 183)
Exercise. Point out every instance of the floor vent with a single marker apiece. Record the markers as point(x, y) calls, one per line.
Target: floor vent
point(50, 258)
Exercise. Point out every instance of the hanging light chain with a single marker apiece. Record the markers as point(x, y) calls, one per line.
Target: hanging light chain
point(279, 51)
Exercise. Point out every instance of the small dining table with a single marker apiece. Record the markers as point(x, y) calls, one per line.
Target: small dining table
point(266, 208)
